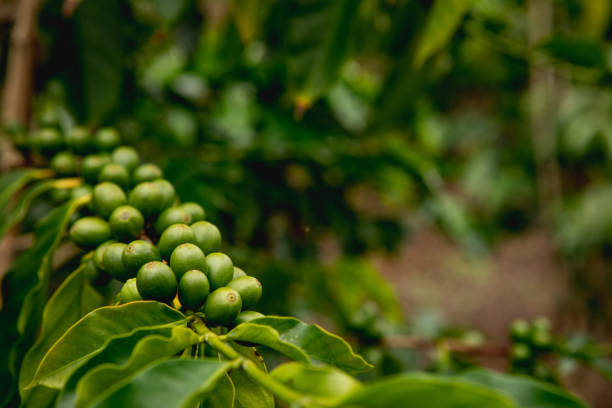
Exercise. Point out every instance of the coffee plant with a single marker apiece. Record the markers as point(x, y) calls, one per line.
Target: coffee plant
point(145, 311)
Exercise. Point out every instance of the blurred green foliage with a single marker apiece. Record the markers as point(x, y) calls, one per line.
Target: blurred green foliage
point(315, 132)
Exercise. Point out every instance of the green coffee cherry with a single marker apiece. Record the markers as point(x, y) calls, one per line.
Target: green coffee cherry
point(170, 216)
point(146, 197)
point(64, 164)
point(47, 141)
point(115, 173)
point(80, 191)
point(174, 236)
point(92, 165)
point(106, 197)
point(520, 352)
point(238, 273)
point(126, 223)
point(129, 291)
point(146, 172)
point(138, 253)
point(113, 263)
point(107, 139)
point(79, 140)
point(193, 289)
point(195, 210)
point(156, 281)
point(541, 323)
point(249, 289)
point(186, 257)
point(541, 339)
point(247, 316)
point(520, 329)
point(222, 306)
point(99, 254)
point(126, 156)
point(220, 269)
point(168, 193)
point(60, 195)
point(89, 232)
point(207, 235)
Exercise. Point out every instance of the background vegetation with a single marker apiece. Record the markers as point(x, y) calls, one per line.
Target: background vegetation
point(316, 133)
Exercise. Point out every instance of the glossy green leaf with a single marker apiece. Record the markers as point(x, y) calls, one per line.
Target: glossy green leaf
point(20, 210)
point(322, 381)
point(524, 391)
point(442, 22)
point(67, 305)
point(11, 183)
point(300, 341)
point(148, 350)
point(223, 395)
point(424, 390)
point(248, 393)
point(94, 331)
point(40, 397)
point(178, 383)
point(116, 353)
point(24, 291)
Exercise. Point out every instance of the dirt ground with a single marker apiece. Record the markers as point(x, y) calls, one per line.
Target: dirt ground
point(520, 278)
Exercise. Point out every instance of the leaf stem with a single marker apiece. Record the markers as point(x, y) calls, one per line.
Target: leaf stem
point(256, 374)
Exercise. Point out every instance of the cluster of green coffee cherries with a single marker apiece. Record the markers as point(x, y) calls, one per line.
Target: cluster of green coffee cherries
point(530, 343)
point(138, 232)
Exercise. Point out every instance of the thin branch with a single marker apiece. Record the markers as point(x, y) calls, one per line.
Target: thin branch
point(456, 346)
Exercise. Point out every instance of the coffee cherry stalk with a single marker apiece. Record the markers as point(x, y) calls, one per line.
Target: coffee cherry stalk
point(142, 235)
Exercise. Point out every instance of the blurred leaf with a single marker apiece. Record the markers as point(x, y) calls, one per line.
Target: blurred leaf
point(425, 390)
point(67, 305)
point(578, 51)
point(93, 332)
point(248, 392)
point(322, 381)
point(179, 383)
point(20, 210)
point(99, 26)
point(525, 392)
point(151, 348)
point(442, 21)
point(300, 341)
point(11, 183)
point(24, 292)
point(223, 395)
point(249, 16)
point(322, 32)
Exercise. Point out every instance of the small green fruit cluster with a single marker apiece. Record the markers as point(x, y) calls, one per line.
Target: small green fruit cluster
point(162, 249)
point(531, 342)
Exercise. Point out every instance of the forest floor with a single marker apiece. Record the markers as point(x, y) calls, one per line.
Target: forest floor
point(521, 277)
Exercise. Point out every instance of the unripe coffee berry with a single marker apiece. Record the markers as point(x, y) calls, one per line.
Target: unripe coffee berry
point(64, 164)
point(92, 165)
point(156, 281)
point(126, 222)
point(138, 253)
point(193, 289)
point(238, 273)
point(146, 172)
point(113, 263)
point(170, 216)
point(79, 140)
point(186, 257)
point(106, 197)
point(195, 210)
point(126, 156)
point(146, 197)
point(115, 173)
point(207, 235)
point(174, 236)
point(222, 306)
point(106, 139)
point(167, 192)
point(129, 291)
point(220, 269)
point(89, 232)
point(249, 289)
